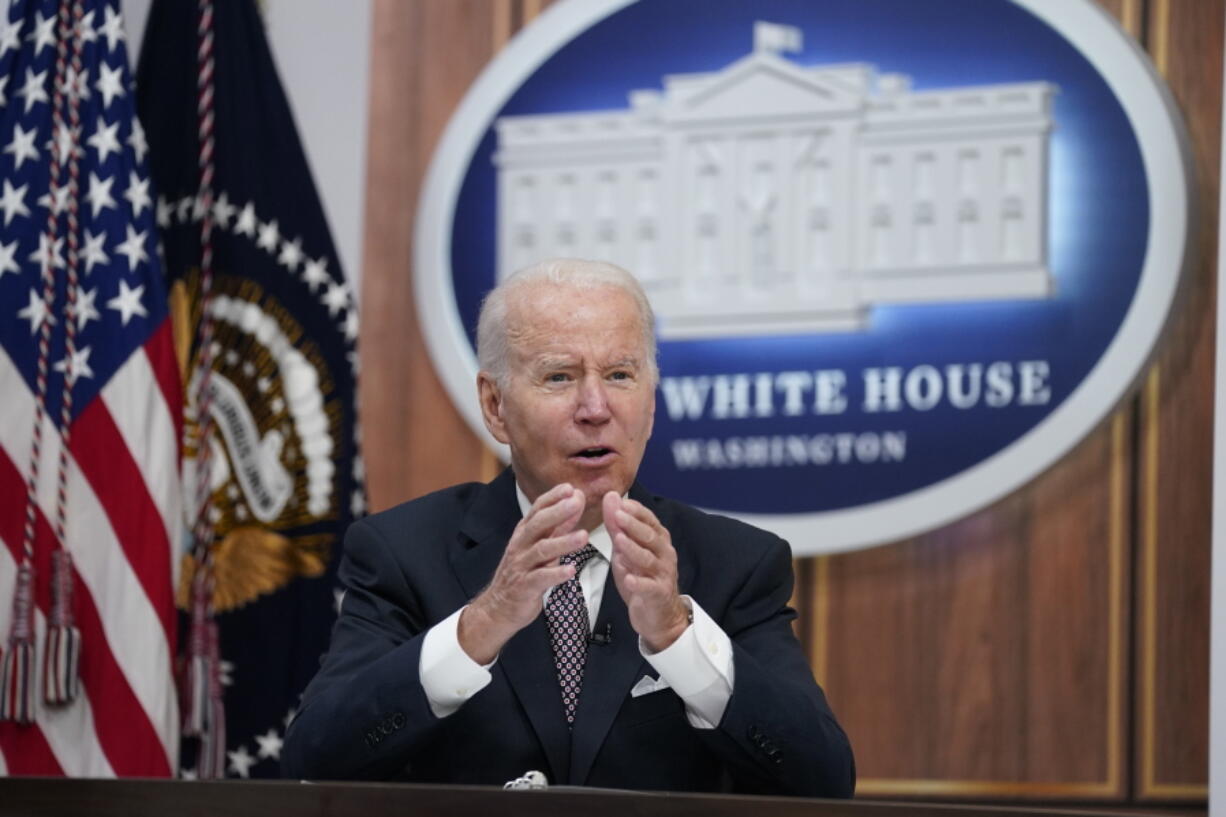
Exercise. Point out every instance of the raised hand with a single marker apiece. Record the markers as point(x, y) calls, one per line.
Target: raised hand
point(528, 568)
point(645, 571)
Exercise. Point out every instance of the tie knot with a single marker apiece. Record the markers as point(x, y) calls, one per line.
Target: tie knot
point(580, 557)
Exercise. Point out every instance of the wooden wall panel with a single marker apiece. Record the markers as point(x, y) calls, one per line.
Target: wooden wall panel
point(1077, 615)
point(1175, 474)
point(426, 53)
point(987, 658)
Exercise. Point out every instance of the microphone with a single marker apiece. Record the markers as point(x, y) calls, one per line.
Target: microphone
point(602, 639)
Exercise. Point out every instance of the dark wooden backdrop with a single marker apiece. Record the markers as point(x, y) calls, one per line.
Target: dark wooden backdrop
point(1053, 646)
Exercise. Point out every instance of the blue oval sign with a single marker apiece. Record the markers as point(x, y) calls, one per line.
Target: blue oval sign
point(903, 255)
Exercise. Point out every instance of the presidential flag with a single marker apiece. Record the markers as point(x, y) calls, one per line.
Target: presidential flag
point(267, 327)
point(90, 412)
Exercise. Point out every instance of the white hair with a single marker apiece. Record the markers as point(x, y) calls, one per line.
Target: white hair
point(493, 337)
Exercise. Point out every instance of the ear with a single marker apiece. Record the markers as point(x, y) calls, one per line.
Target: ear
point(490, 397)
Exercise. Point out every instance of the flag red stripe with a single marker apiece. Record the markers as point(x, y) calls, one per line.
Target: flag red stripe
point(107, 464)
point(124, 730)
point(160, 349)
point(26, 751)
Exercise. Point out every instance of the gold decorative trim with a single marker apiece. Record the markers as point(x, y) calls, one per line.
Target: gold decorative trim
point(981, 788)
point(491, 466)
point(1130, 17)
point(532, 8)
point(501, 23)
point(1160, 34)
point(1149, 578)
point(1118, 513)
point(1177, 791)
point(798, 601)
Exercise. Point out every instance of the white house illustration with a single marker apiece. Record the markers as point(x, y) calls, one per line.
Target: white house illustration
point(771, 198)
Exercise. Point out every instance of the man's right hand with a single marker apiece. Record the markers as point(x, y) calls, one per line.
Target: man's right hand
point(528, 568)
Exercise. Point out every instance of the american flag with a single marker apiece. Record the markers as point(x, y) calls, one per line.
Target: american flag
point(121, 490)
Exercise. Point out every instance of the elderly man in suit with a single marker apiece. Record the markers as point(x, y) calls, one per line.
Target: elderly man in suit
point(562, 618)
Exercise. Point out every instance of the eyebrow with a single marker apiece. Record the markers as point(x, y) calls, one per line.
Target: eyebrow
point(553, 362)
point(563, 362)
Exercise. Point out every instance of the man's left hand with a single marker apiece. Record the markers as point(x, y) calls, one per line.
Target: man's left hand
point(645, 571)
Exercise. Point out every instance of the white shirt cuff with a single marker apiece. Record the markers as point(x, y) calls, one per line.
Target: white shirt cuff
point(448, 676)
point(698, 666)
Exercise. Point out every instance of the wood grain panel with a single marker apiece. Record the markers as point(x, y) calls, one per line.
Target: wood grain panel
point(1078, 612)
point(426, 53)
point(987, 659)
point(1129, 13)
point(1185, 39)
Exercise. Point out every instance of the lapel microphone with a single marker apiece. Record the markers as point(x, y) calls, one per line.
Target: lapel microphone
point(602, 639)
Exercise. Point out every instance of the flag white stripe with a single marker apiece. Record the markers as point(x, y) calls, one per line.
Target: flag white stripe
point(136, 404)
point(132, 625)
point(69, 730)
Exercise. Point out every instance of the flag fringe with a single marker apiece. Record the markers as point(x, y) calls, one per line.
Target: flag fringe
point(212, 762)
point(204, 713)
point(16, 674)
point(194, 691)
point(62, 654)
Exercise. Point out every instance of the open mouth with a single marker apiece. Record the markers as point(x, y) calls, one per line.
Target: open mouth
point(595, 454)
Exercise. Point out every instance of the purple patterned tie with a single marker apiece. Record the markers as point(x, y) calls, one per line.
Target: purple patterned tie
point(566, 616)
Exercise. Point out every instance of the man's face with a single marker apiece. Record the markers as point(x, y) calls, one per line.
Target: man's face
point(580, 400)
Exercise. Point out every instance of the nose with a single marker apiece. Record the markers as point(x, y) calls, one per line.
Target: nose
point(593, 404)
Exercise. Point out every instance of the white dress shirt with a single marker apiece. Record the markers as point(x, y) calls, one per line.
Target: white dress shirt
point(698, 665)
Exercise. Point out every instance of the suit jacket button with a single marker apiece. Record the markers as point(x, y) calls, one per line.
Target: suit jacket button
point(398, 720)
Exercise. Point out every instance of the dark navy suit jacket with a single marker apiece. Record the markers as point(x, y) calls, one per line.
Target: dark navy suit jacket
point(365, 715)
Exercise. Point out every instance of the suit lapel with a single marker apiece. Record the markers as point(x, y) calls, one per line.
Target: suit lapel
point(612, 669)
point(485, 529)
point(527, 659)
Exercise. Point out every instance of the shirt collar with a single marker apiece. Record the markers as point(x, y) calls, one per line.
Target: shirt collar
point(599, 537)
